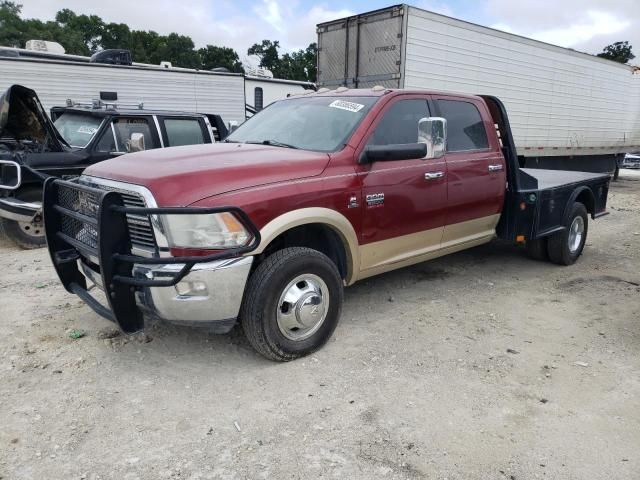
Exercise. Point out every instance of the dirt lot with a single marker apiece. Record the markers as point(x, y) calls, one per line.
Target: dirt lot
point(480, 365)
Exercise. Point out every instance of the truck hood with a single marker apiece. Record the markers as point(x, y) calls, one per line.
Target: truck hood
point(24, 120)
point(180, 176)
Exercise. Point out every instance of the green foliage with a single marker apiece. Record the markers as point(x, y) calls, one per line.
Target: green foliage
point(297, 65)
point(267, 52)
point(618, 52)
point(87, 34)
point(212, 57)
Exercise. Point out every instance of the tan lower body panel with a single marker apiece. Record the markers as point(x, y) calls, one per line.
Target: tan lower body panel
point(387, 255)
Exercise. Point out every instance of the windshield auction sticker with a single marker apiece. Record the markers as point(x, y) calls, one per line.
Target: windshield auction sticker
point(349, 106)
point(87, 130)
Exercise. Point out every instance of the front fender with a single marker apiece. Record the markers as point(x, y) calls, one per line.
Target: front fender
point(316, 215)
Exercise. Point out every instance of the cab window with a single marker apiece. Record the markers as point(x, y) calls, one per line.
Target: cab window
point(183, 131)
point(465, 128)
point(400, 123)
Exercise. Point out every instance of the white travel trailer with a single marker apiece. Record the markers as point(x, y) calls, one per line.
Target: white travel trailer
point(261, 89)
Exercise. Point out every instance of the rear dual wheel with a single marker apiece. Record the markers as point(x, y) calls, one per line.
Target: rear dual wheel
point(292, 303)
point(566, 246)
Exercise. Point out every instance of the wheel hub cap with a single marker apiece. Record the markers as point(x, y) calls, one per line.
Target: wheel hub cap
point(303, 307)
point(33, 229)
point(576, 232)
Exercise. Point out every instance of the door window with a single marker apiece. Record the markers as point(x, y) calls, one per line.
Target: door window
point(124, 127)
point(183, 131)
point(465, 129)
point(400, 123)
point(107, 142)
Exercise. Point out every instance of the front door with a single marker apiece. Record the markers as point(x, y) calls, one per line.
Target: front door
point(404, 201)
point(112, 139)
point(476, 172)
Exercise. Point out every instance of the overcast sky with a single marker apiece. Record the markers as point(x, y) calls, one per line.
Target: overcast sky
point(586, 25)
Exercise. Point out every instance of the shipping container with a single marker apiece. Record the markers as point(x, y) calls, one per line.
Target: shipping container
point(567, 109)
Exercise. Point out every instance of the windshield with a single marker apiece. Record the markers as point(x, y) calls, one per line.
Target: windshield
point(76, 128)
point(313, 123)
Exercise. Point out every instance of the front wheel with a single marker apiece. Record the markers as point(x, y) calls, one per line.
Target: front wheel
point(566, 246)
point(292, 303)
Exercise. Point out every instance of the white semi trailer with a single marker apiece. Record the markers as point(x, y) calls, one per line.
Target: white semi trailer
point(568, 110)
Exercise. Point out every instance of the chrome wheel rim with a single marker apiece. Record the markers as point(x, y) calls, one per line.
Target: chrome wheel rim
point(32, 229)
point(302, 307)
point(576, 232)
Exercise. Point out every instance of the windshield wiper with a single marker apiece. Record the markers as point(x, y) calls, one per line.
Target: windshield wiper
point(273, 143)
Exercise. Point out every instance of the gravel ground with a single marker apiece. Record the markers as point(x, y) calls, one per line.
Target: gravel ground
point(479, 365)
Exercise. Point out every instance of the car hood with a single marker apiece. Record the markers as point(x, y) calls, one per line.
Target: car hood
point(180, 176)
point(23, 118)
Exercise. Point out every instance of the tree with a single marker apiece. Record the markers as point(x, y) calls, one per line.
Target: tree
point(300, 65)
point(267, 52)
point(212, 57)
point(297, 65)
point(618, 52)
point(115, 35)
point(83, 33)
point(11, 34)
point(178, 49)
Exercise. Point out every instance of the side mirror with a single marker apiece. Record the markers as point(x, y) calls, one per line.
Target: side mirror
point(386, 153)
point(13, 180)
point(432, 131)
point(233, 126)
point(135, 143)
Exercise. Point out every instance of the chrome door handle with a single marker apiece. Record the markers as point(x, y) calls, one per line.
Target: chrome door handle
point(495, 168)
point(433, 175)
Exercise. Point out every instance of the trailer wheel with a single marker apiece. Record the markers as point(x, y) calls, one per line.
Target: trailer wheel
point(537, 249)
point(566, 246)
point(27, 235)
point(292, 303)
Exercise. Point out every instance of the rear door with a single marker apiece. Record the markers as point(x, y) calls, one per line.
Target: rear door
point(476, 170)
point(404, 200)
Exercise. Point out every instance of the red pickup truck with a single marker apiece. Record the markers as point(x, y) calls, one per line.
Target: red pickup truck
point(310, 195)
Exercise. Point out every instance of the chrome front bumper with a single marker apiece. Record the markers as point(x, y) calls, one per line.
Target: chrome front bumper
point(216, 301)
point(13, 209)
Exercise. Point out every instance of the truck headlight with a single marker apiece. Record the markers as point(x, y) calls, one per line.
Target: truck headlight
point(208, 231)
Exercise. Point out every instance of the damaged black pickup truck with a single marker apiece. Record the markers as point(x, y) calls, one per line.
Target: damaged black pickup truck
point(34, 147)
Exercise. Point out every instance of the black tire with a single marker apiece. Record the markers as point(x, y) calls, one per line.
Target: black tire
point(537, 249)
point(558, 246)
point(259, 312)
point(616, 173)
point(25, 236)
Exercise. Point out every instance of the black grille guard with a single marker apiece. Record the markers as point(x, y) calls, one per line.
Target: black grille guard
point(83, 222)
